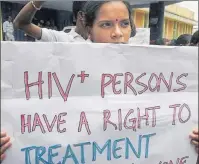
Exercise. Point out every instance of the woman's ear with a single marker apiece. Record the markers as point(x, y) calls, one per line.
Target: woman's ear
point(81, 15)
point(89, 37)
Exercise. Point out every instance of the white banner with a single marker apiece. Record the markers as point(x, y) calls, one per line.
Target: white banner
point(142, 37)
point(99, 103)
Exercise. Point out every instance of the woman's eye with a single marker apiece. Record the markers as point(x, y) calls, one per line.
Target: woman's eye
point(125, 24)
point(106, 25)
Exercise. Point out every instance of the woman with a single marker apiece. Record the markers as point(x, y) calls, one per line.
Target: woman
point(108, 22)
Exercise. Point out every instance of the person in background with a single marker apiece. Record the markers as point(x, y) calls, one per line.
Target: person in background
point(23, 21)
point(183, 40)
point(166, 41)
point(195, 39)
point(160, 42)
point(48, 25)
point(172, 42)
point(52, 22)
point(8, 29)
point(152, 42)
point(79, 19)
point(35, 20)
point(40, 23)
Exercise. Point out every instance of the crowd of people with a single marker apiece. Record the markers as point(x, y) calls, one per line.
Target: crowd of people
point(96, 22)
point(49, 24)
point(182, 40)
point(8, 27)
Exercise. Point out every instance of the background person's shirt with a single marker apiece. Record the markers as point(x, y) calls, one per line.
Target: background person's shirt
point(8, 27)
point(49, 35)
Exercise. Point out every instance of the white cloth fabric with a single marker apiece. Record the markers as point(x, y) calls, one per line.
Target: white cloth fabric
point(9, 37)
point(49, 35)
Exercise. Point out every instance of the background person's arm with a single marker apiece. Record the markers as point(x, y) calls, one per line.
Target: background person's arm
point(23, 20)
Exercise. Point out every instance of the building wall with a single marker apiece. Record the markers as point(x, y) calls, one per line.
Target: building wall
point(139, 18)
point(184, 12)
point(173, 27)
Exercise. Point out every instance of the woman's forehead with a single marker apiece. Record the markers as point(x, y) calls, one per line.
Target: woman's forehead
point(113, 11)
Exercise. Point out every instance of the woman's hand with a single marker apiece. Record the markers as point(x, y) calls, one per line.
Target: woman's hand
point(194, 136)
point(5, 144)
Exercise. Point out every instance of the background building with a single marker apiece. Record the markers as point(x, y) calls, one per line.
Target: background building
point(177, 21)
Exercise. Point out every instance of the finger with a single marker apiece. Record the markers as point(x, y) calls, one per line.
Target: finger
point(5, 147)
point(194, 137)
point(196, 143)
point(3, 157)
point(3, 134)
point(195, 131)
point(5, 140)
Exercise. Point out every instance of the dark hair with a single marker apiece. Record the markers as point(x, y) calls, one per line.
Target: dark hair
point(183, 40)
point(133, 28)
point(91, 9)
point(78, 6)
point(173, 42)
point(160, 41)
point(195, 38)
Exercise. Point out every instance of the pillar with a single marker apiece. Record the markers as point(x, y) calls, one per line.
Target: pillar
point(156, 20)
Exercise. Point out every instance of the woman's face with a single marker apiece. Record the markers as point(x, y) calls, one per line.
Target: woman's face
point(112, 24)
